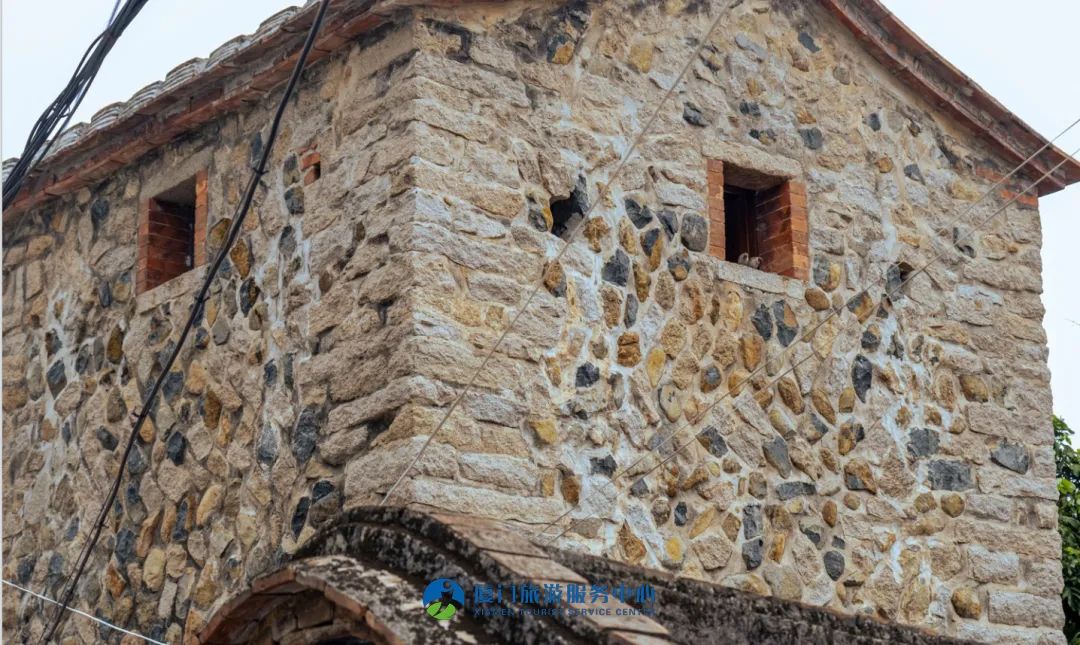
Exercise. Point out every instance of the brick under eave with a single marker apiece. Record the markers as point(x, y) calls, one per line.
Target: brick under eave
point(265, 64)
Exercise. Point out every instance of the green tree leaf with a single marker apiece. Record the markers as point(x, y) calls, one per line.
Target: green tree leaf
point(1067, 460)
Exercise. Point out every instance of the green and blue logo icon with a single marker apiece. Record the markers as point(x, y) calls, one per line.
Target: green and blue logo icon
point(443, 598)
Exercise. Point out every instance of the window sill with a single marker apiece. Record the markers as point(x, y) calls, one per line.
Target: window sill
point(183, 284)
point(751, 278)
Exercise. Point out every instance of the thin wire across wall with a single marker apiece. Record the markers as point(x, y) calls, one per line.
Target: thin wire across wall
point(196, 313)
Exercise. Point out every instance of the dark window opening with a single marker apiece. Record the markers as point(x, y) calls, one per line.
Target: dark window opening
point(168, 238)
point(743, 229)
point(758, 220)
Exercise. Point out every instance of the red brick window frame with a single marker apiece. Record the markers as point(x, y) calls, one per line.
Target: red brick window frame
point(767, 226)
point(172, 233)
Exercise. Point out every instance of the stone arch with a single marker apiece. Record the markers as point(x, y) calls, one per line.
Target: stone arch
point(335, 600)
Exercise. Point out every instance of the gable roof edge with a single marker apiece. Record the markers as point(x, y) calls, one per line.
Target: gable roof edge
point(928, 73)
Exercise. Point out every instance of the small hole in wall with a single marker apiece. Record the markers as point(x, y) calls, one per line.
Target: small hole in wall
point(383, 309)
point(897, 279)
point(567, 213)
point(379, 425)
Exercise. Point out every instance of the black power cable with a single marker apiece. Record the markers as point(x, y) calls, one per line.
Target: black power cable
point(56, 117)
point(196, 311)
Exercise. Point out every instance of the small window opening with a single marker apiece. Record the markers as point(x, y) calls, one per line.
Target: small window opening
point(567, 213)
point(757, 220)
point(168, 233)
point(743, 230)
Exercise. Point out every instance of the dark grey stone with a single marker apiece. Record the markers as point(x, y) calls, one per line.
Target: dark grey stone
point(670, 221)
point(815, 533)
point(862, 376)
point(750, 108)
point(1012, 456)
point(791, 490)
point(871, 339)
point(649, 239)
point(56, 378)
point(172, 386)
point(631, 310)
point(817, 429)
point(136, 463)
point(270, 373)
point(807, 41)
point(874, 121)
point(768, 135)
point(914, 173)
point(180, 532)
point(321, 489)
point(82, 361)
point(104, 294)
point(712, 377)
point(950, 475)
point(821, 271)
point(305, 435)
point(266, 446)
point(617, 269)
point(107, 439)
point(712, 441)
point(922, 442)
point(784, 333)
point(751, 553)
point(692, 115)
point(299, 517)
point(639, 488)
point(695, 232)
point(249, 295)
point(680, 514)
point(99, 210)
point(679, 265)
point(52, 343)
point(752, 523)
point(776, 453)
point(125, 545)
point(638, 214)
point(131, 493)
point(175, 446)
point(762, 320)
point(287, 242)
point(812, 138)
point(294, 200)
point(602, 465)
point(221, 331)
point(587, 374)
point(834, 564)
point(26, 569)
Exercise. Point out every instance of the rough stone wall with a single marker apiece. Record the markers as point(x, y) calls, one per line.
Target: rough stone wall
point(904, 470)
point(309, 311)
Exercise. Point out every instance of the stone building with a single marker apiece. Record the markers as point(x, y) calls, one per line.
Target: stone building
point(892, 461)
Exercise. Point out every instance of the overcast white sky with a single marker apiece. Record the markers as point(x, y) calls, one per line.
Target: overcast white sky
point(1023, 53)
